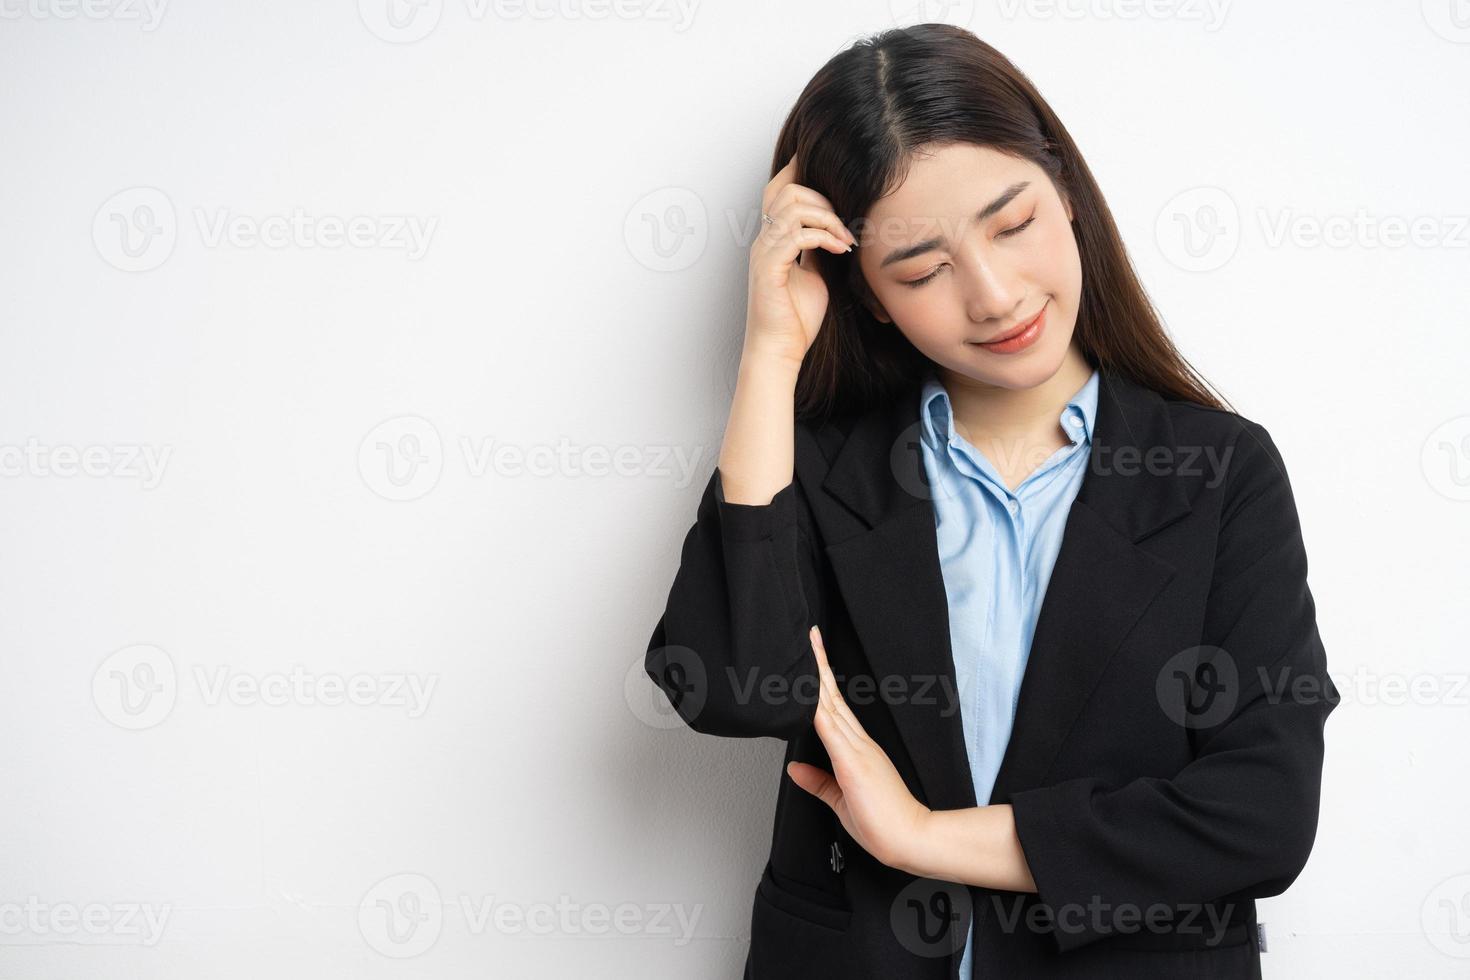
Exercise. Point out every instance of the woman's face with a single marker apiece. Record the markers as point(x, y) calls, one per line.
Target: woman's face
point(973, 245)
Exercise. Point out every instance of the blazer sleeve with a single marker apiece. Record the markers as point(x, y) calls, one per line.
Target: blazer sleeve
point(731, 651)
point(1238, 821)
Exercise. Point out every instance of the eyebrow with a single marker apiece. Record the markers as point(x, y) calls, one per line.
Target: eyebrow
point(909, 251)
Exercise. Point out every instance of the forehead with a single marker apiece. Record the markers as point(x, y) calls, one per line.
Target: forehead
point(954, 179)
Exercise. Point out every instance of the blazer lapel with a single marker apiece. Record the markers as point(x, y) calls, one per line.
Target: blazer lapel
point(890, 578)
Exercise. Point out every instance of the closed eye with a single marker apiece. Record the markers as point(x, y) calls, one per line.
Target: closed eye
point(916, 283)
point(919, 282)
point(1019, 228)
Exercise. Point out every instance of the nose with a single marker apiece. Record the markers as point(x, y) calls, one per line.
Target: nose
point(991, 291)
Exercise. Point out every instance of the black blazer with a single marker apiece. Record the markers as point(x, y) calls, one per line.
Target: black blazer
point(1165, 763)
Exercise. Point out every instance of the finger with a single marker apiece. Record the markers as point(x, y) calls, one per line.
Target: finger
point(780, 179)
point(785, 242)
point(824, 669)
point(776, 258)
point(818, 782)
point(837, 738)
point(853, 728)
point(806, 214)
point(783, 189)
point(838, 730)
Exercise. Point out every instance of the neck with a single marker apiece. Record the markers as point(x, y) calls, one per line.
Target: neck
point(988, 413)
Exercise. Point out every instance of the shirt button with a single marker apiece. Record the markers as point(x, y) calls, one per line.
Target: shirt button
point(1013, 506)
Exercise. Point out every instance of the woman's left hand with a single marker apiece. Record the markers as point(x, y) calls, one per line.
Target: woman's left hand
point(864, 789)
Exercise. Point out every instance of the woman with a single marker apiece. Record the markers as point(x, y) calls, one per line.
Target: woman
point(1026, 601)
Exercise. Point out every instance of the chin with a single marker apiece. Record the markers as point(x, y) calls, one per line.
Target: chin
point(1014, 371)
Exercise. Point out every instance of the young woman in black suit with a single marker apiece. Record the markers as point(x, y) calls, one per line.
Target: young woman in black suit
point(1162, 766)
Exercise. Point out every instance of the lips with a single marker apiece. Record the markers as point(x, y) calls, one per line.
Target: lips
point(1016, 330)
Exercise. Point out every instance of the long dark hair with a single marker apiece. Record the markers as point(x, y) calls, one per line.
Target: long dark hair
point(853, 131)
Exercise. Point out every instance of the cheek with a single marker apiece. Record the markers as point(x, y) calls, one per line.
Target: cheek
point(1053, 262)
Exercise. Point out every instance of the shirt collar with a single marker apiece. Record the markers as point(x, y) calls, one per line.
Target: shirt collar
point(936, 412)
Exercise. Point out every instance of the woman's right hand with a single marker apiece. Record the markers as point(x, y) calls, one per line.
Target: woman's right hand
point(788, 299)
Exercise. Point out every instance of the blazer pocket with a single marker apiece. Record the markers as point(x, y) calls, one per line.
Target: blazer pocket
point(796, 900)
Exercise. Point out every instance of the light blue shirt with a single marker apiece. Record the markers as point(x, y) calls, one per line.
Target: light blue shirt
point(997, 548)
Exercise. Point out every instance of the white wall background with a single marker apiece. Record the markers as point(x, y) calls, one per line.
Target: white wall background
point(208, 492)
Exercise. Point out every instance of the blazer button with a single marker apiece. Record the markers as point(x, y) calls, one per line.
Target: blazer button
point(836, 860)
